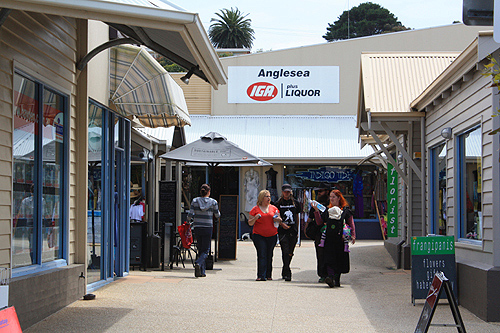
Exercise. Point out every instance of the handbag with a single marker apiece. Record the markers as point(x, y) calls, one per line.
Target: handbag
point(312, 230)
point(186, 235)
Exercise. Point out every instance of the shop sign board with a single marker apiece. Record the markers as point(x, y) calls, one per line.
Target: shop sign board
point(439, 283)
point(228, 227)
point(329, 175)
point(430, 255)
point(392, 201)
point(283, 84)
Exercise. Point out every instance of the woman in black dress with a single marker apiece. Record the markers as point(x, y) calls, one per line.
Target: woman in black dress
point(336, 246)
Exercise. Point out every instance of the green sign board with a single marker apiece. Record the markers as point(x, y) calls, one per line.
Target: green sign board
point(430, 255)
point(392, 201)
point(432, 245)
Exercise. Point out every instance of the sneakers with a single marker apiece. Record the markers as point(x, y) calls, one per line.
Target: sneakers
point(321, 280)
point(197, 270)
point(288, 278)
point(329, 282)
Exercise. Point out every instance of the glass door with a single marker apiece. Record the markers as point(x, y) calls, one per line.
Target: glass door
point(108, 168)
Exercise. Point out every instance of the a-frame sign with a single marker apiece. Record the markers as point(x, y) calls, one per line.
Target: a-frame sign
point(439, 283)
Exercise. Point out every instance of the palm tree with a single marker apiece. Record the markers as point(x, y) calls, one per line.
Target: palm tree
point(231, 30)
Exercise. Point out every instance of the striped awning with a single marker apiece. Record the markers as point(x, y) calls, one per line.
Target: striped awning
point(141, 87)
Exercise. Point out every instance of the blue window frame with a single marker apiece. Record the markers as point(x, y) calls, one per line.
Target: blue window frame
point(40, 176)
point(469, 185)
point(438, 195)
point(108, 225)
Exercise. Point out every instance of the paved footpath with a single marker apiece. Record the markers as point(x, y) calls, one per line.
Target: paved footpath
point(374, 297)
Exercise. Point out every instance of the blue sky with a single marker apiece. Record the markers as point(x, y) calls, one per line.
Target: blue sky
point(285, 24)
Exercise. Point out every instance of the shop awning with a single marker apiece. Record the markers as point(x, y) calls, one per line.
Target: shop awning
point(141, 87)
point(161, 26)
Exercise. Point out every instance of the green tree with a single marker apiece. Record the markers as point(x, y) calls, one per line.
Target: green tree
point(364, 20)
point(231, 30)
point(169, 65)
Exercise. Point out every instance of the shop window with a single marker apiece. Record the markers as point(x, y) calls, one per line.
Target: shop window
point(108, 200)
point(438, 189)
point(357, 184)
point(470, 220)
point(39, 159)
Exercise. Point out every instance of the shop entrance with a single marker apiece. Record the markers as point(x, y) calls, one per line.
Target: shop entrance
point(109, 174)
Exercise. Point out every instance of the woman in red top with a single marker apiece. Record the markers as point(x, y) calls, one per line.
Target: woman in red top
point(263, 218)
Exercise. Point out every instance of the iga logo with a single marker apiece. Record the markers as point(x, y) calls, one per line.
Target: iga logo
point(262, 91)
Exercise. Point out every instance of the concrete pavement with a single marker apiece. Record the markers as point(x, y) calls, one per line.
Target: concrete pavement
point(374, 297)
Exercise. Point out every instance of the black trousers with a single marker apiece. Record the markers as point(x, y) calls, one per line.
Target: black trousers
point(287, 244)
point(320, 258)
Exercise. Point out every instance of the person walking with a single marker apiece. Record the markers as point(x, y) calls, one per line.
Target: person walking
point(333, 241)
point(264, 218)
point(288, 228)
point(322, 196)
point(203, 209)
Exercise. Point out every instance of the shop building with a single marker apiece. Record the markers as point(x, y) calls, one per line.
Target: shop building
point(296, 108)
point(65, 162)
point(437, 139)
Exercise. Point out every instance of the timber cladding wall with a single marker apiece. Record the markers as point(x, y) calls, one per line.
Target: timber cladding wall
point(198, 94)
point(469, 106)
point(45, 47)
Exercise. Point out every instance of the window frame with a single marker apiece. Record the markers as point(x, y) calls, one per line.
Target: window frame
point(43, 84)
point(434, 185)
point(461, 185)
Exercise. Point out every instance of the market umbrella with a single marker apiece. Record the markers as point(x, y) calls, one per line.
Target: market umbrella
point(213, 149)
point(140, 87)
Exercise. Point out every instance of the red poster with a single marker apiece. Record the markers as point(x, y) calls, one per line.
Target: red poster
point(8, 321)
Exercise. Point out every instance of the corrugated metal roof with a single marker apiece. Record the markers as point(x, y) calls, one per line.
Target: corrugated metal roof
point(285, 138)
point(391, 81)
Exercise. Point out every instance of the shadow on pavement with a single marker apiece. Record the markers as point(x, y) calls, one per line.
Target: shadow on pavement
point(95, 319)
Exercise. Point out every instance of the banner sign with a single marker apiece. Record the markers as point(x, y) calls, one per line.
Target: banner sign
point(392, 201)
point(283, 84)
point(430, 255)
point(329, 175)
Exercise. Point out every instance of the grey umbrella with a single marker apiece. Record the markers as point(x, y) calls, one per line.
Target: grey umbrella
point(213, 149)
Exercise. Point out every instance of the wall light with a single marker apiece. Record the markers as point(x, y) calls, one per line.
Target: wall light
point(186, 77)
point(447, 133)
point(400, 157)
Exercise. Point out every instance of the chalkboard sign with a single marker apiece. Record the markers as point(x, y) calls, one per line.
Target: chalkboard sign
point(439, 283)
point(228, 206)
point(430, 255)
point(168, 208)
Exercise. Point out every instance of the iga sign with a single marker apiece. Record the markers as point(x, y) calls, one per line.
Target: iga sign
point(283, 84)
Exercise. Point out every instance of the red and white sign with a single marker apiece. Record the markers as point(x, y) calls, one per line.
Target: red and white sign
point(283, 84)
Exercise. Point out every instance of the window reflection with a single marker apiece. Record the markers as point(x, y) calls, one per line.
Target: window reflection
point(52, 159)
point(37, 221)
point(25, 124)
point(471, 189)
point(439, 191)
point(94, 217)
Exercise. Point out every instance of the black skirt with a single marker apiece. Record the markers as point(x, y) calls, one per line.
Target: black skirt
point(334, 252)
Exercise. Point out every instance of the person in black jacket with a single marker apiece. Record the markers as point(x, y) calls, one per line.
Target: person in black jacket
point(322, 196)
point(288, 228)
